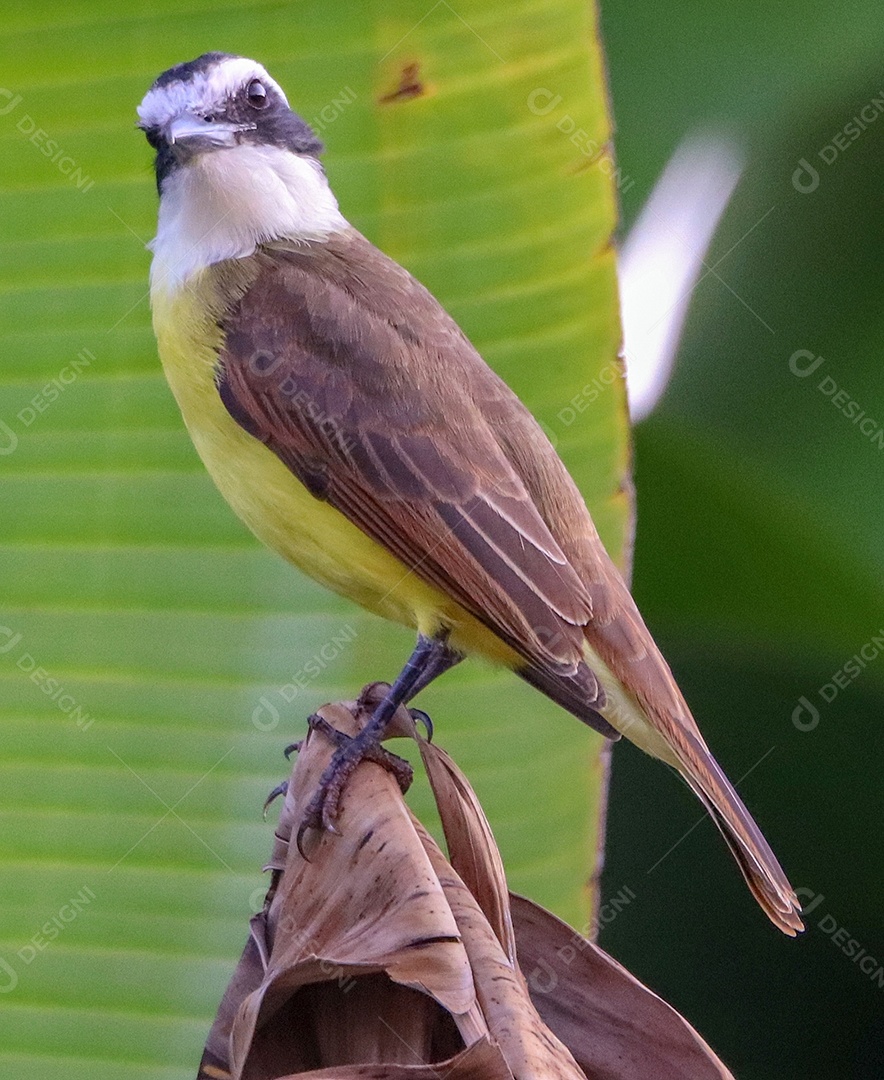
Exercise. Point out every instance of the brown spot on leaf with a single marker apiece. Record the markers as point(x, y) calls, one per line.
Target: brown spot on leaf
point(410, 86)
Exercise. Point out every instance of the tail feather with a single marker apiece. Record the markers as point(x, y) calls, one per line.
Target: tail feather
point(642, 701)
point(579, 693)
point(759, 866)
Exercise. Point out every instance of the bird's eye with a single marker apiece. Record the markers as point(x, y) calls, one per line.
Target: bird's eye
point(256, 94)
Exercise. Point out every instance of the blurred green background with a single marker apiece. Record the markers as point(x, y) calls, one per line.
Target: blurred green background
point(758, 558)
point(759, 548)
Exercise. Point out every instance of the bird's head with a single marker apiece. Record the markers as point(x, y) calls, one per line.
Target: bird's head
point(218, 102)
point(235, 166)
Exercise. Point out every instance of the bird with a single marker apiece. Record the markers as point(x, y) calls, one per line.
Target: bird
point(355, 429)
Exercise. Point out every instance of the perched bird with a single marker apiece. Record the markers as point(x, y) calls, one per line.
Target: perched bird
point(354, 428)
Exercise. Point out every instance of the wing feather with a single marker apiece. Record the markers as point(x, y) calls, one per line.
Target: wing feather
point(356, 405)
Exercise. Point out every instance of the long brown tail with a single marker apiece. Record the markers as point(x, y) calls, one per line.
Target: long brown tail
point(688, 753)
point(759, 865)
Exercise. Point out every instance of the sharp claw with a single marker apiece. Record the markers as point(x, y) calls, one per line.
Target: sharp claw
point(420, 717)
point(280, 789)
point(299, 840)
point(293, 748)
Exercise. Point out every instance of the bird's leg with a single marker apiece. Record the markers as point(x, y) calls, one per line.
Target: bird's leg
point(430, 658)
point(441, 658)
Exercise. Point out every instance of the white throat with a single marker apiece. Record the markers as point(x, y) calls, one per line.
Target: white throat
point(225, 202)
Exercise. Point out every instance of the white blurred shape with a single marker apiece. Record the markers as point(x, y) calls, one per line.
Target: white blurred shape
point(662, 258)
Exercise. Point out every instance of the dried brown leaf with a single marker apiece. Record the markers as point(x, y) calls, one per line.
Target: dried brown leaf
point(613, 1024)
point(481, 1061)
point(379, 959)
point(471, 847)
point(367, 904)
point(530, 1049)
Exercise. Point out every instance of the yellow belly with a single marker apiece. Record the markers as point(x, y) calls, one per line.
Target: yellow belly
point(272, 501)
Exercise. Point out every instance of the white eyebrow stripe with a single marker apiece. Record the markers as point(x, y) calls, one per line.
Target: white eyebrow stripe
point(204, 92)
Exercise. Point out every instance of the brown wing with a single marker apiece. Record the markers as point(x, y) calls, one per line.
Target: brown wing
point(353, 375)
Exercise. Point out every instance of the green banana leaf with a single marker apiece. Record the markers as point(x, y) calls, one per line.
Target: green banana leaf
point(154, 659)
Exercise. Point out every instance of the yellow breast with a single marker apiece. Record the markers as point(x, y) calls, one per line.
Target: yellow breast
point(272, 502)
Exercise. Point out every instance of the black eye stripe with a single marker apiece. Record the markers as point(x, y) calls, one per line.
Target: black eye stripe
point(233, 103)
